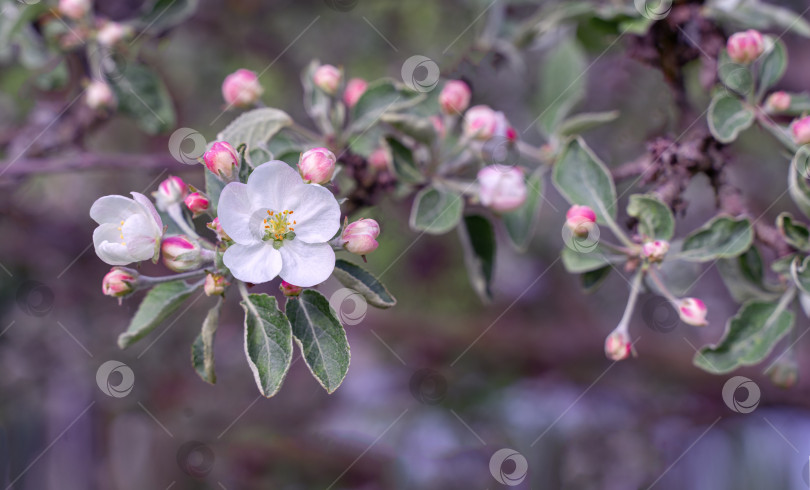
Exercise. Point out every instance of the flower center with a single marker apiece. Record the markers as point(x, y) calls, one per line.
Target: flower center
point(278, 227)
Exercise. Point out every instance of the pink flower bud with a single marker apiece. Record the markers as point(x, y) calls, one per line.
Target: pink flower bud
point(215, 285)
point(119, 282)
point(655, 250)
point(171, 191)
point(801, 130)
point(75, 9)
point(197, 203)
point(289, 289)
point(99, 95)
point(380, 159)
point(580, 220)
point(222, 160)
point(327, 78)
point(480, 122)
point(438, 125)
point(355, 88)
point(181, 254)
point(216, 227)
point(317, 165)
point(241, 88)
point(745, 47)
point(778, 102)
point(617, 345)
point(692, 311)
point(360, 237)
point(503, 128)
point(112, 33)
point(501, 188)
point(455, 97)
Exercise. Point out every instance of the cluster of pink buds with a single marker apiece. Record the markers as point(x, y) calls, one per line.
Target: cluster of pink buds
point(317, 166)
point(655, 250)
point(242, 88)
point(360, 237)
point(222, 160)
point(502, 188)
point(745, 47)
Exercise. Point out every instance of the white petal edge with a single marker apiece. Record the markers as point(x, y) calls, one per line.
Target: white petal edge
point(255, 263)
point(147, 205)
point(113, 209)
point(139, 236)
point(306, 264)
point(316, 211)
point(234, 211)
point(270, 183)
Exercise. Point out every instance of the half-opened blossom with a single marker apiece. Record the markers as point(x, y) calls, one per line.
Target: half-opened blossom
point(502, 188)
point(280, 227)
point(129, 229)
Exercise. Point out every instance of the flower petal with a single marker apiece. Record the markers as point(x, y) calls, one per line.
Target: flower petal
point(113, 209)
point(270, 183)
point(316, 212)
point(234, 211)
point(306, 264)
point(255, 263)
point(149, 208)
point(107, 241)
point(139, 236)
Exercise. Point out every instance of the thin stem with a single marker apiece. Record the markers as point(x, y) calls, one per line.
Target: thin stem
point(775, 130)
point(175, 212)
point(635, 288)
point(653, 274)
point(150, 281)
point(619, 232)
point(532, 152)
point(243, 290)
point(618, 248)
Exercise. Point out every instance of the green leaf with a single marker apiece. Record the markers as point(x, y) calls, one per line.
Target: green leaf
point(358, 279)
point(143, 96)
point(749, 337)
point(721, 238)
point(755, 14)
point(521, 223)
point(655, 219)
point(772, 64)
point(728, 117)
point(735, 76)
point(478, 240)
point(419, 128)
point(577, 262)
point(268, 342)
point(321, 337)
point(562, 83)
point(162, 14)
point(382, 96)
point(583, 122)
point(800, 272)
point(213, 188)
point(796, 234)
point(436, 211)
point(744, 277)
point(583, 179)
point(591, 280)
point(255, 128)
point(782, 265)
point(798, 185)
point(404, 163)
point(160, 302)
point(202, 350)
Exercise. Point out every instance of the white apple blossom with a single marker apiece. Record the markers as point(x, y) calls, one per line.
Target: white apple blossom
point(129, 229)
point(280, 227)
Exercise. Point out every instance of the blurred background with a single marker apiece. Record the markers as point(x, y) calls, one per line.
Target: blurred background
point(437, 385)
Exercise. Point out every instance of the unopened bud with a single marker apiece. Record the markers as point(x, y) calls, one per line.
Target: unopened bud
point(327, 78)
point(215, 285)
point(216, 227)
point(777, 102)
point(222, 160)
point(289, 289)
point(355, 88)
point(580, 220)
point(317, 165)
point(112, 33)
point(380, 159)
point(502, 188)
point(99, 95)
point(745, 47)
point(692, 311)
point(242, 88)
point(360, 237)
point(181, 254)
point(171, 191)
point(454, 97)
point(197, 203)
point(74, 9)
point(480, 122)
point(801, 130)
point(618, 345)
point(119, 282)
point(655, 250)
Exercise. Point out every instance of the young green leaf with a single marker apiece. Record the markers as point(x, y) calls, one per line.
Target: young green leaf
point(583, 179)
point(160, 302)
point(436, 211)
point(419, 128)
point(143, 96)
point(255, 128)
point(772, 64)
point(202, 350)
point(749, 337)
point(655, 219)
point(796, 234)
point(404, 163)
point(562, 84)
point(577, 262)
point(721, 238)
point(521, 223)
point(478, 239)
point(381, 97)
point(321, 337)
point(355, 277)
point(744, 277)
point(583, 122)
point(728, 117)
point(735, 76)
point(591, 280)
point(268, 342)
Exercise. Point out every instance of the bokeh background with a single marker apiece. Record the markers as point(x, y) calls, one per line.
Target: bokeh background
point(436, 385)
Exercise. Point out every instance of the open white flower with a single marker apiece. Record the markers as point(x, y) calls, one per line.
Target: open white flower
point(280, 227)
point(129, 229)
